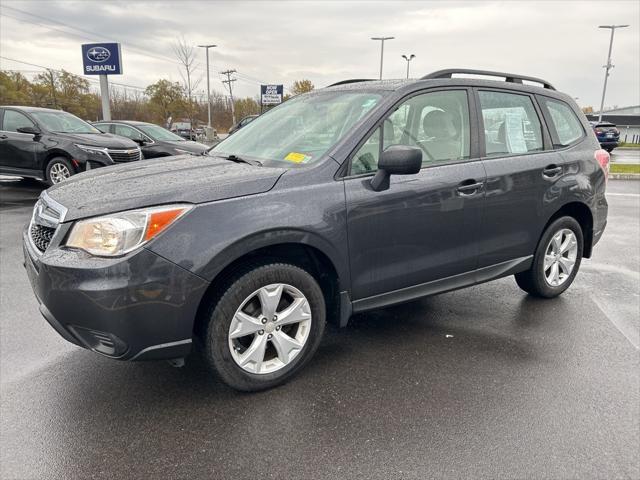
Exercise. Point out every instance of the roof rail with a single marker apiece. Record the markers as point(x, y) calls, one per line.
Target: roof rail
point(509, 77)
point(353, 80)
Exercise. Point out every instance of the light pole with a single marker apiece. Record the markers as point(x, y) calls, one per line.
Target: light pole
point(408, 59)
point(608, 66)
point(382, 39)
point(207, 47)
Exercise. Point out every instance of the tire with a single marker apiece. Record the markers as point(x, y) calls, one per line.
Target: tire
point(58, 169)
point(535, 281)
point(224, 353)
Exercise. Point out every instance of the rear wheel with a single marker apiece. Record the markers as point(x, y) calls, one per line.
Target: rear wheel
point(58, 169)
point(556, 260)
point(265, 327)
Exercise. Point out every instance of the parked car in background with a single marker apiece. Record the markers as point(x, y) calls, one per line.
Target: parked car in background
point(53, 145)
point(184, 130)
point(607, 133)
point(245, 121)
point(386, 192)
point(155, 141)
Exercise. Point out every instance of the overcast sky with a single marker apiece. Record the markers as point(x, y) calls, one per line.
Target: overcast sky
point(282, 41)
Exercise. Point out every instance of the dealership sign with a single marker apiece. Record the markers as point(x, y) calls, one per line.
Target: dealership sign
point(271, 94)
point(101, 59)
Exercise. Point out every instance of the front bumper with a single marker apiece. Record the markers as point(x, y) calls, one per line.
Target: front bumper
point(137, 307)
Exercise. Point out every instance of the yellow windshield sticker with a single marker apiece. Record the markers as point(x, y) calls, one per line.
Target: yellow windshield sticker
point(296, 157)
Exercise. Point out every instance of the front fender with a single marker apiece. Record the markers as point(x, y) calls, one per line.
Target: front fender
point(214, 235)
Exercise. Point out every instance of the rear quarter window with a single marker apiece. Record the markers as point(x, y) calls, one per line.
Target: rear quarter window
point(566, 124)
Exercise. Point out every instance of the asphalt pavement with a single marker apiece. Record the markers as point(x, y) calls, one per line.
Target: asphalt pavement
point(481, 383)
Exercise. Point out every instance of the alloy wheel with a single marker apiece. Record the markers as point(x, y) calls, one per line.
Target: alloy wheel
point(59, 172)
point(560, 257)
point(270, 328)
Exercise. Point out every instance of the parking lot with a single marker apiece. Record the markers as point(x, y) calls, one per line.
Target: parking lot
point(484, 382)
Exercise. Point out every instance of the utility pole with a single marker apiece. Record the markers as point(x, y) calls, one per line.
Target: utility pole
point(608, 66)
point(207, 47)
point(408, 59)
point(229, 81)
point(382, 39)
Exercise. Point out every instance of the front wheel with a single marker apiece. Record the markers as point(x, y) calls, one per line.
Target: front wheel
point(265, 327)
point(556, 260)
point(58, 170)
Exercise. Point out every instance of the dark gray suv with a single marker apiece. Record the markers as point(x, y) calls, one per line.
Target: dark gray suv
point(346, 199)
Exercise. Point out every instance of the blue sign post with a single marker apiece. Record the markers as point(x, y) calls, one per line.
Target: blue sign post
point(102, 59)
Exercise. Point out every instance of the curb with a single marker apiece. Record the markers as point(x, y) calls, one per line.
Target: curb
point(624, 176)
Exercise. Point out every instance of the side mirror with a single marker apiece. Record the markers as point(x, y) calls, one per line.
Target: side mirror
point(396, 160)
point(29, 130)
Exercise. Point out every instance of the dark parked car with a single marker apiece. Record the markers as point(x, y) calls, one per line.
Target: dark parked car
point(607, 133)
point(155, 141)
point(385, 192)
point(184, 130)
point(245, 121)
point(52, 145)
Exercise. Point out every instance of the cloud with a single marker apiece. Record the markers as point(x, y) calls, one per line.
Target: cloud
point(282, 41)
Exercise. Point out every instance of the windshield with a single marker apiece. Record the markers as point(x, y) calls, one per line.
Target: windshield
point(300, 130)
point(63, 122)
point(159, 133)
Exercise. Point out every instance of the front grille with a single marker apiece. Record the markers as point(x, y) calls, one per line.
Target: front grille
point(47, 215)
point(120, 156)
point(41, 236)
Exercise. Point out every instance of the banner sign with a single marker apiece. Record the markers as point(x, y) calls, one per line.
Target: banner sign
point(101, 59)
point(271, 94)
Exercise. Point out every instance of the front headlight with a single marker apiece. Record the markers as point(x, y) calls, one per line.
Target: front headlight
point(120, 233)
point(94, 150)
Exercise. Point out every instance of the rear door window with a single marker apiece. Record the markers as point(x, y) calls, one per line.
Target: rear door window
point(511, 124)
point(566, 124)
point(104, 127)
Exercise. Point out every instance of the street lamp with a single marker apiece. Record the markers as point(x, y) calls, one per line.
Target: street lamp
point(408, 59)
point(207, 47)
point(382, 39)
point(608, 66)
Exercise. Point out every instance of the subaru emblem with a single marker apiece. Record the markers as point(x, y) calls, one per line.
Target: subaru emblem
point(98, 54)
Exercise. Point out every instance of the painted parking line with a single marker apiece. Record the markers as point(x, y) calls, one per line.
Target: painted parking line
point(623, 194)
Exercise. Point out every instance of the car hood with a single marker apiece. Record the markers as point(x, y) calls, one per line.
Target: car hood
point(179, 179)
point(188, 146)
point(99, 140)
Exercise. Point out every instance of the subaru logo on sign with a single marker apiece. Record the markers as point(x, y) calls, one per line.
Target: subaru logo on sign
point(98, 54)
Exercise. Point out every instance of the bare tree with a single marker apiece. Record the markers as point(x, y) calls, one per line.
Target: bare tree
point(186, 55)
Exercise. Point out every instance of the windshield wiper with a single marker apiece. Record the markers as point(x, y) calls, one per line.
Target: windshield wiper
point(237, 159)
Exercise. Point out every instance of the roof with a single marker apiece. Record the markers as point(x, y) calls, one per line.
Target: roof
point(619, 120)
point(125, 122)
point(32, 109)
point(446, 77)
point(630, 110)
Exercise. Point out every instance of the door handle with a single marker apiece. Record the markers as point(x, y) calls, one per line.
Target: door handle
point(551, 171)
point(469, 187)
point(3, 137)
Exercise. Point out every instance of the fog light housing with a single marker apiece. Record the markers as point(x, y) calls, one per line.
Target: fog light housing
point(102, 342)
